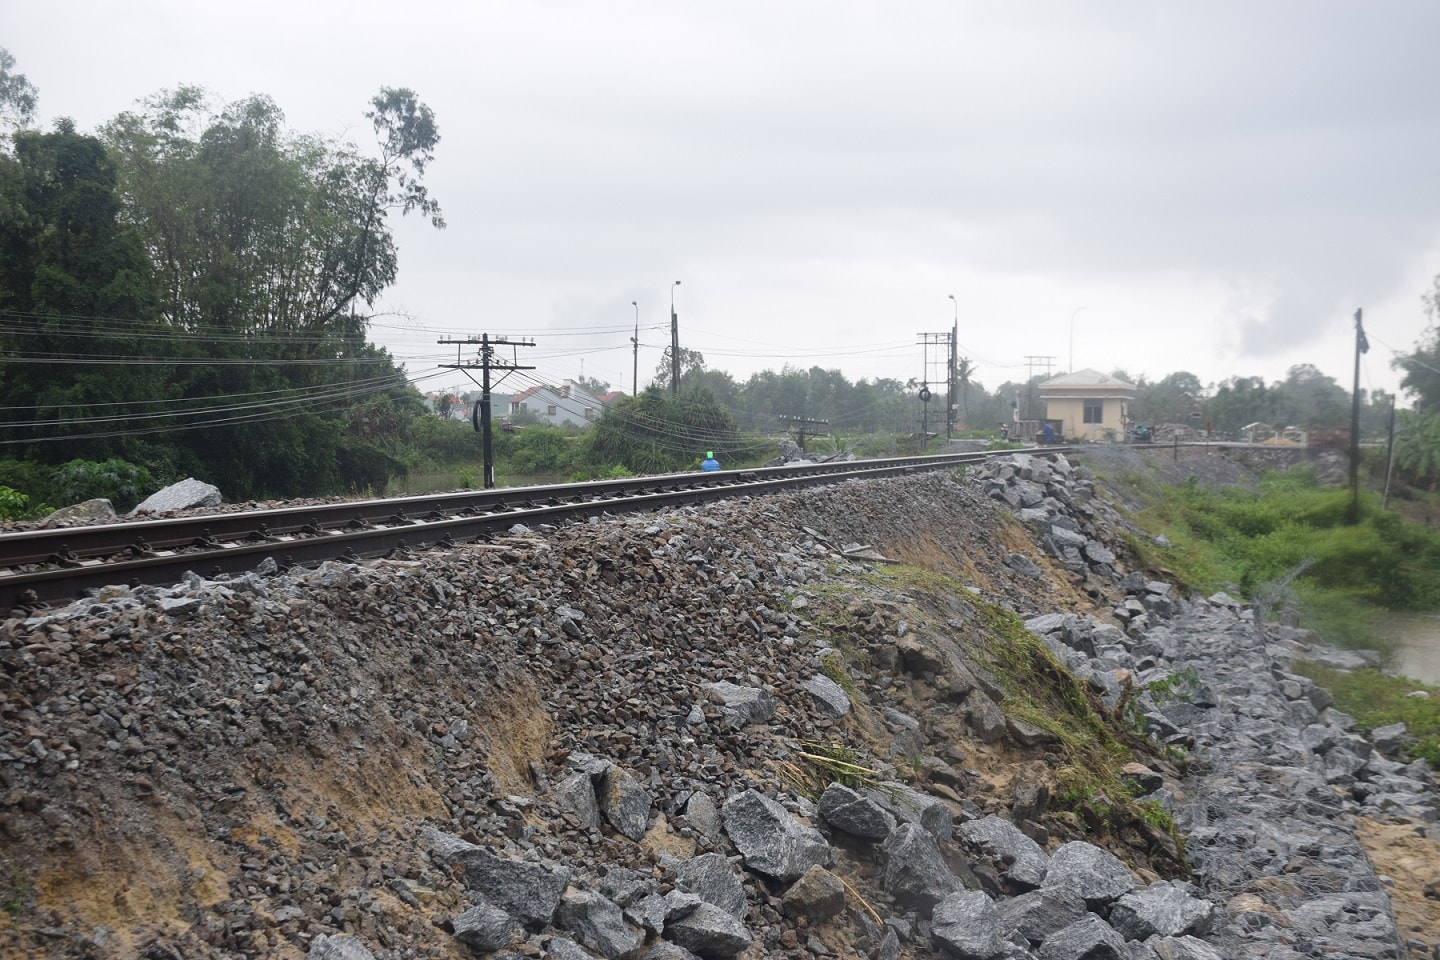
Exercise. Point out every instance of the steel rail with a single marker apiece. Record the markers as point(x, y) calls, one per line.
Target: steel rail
point(69, 545)
point(161, 551)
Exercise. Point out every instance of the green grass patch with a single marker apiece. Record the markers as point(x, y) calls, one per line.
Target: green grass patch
point(1375, 700)
point(1038, 690)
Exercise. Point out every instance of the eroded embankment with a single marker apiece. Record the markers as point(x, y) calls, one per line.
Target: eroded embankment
point(267, 766)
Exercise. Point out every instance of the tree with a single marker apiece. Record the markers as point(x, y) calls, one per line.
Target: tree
point(963, 369)
point(1417, 446)
point(261, 231)
point(691, 363)
point(1309, 398)
point(1422, 365)
point(1239, 402)
point(18, 97)
point(76, 294)
point(1168, 400)
point(660, 433)
point(242, 256)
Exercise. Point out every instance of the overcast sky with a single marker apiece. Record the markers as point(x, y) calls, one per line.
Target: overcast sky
point(1150, 186)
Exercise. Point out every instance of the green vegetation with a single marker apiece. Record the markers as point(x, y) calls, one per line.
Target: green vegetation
point(15, 505)
point(1288, 544)
point(834, 763)
point(185, 293)
point(14, 889)
point(1377, 700)
point(833, 666)
point(1096, 742)
point(1246, 540)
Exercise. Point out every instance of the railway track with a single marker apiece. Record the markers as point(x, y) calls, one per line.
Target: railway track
point(42, 567)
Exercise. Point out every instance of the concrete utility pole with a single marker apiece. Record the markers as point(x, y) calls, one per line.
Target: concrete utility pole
point(635, 343)
point(1361, 346)
point(674, 344)
point(480, 415)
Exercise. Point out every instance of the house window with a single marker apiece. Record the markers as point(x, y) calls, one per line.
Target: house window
point(1094, 411)
point(589, 413)
point(550, 410)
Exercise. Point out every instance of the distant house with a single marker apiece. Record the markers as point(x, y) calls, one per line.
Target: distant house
point(566, 403)
point(1090, 404)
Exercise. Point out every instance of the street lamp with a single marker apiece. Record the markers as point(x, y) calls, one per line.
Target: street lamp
point(1072, 337)
point(635, 349)
point(674, 343)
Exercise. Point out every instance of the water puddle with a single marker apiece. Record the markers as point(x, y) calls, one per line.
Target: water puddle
point(1417, 644)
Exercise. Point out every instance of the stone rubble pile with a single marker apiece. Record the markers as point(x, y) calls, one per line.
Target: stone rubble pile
point(573, 743)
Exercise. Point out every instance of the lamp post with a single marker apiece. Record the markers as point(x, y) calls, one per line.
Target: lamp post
point(635, 350)
point(1072, 337)
point(674, 344)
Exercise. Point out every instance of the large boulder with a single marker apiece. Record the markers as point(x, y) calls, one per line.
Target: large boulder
point(915, 871)
point(817, 896)
point(709, 932)
point(188, 494)
point(771, 840)
point(851, 813)
point(1165, 908)
point(98, 510)
point(713, 879)
point(740, 706)
point(597, 923)
point(485, 927)
point(1089, 938)
point(1039, 913)
point(967, 926)
point(1014, 856)
point(911, 806)
point(829, 697)
point(624, 803)
point(527, 891)
point(338, 948)
point(1096, 875)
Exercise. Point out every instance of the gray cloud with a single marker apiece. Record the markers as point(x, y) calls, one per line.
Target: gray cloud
point(1220, 184)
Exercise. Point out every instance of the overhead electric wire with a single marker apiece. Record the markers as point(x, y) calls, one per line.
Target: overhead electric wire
point(170, 400)
point(304, 395)
point(280, 410)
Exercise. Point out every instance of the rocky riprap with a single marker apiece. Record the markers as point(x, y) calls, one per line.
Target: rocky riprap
point(604, 740)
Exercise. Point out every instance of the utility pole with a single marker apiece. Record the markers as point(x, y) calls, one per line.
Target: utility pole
point(1361, 346)
point(1030, 364)
point(635, 343)
point(674, 344)
point(954, 370)
point(480, 415)
point(801, 423)
point(939, 368)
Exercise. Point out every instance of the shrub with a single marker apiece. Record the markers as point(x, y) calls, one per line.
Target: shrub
point(122, 483)
point(14, 505)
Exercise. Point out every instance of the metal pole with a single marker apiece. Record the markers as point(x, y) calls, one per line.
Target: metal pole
point(674, 343)
point(486, 440)
point(635, 342)
point(1355, 428)
point(950, 394)
point(1389, 456)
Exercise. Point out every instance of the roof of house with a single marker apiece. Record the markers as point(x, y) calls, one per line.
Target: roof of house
point(1086, 378)
point(527, 393)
